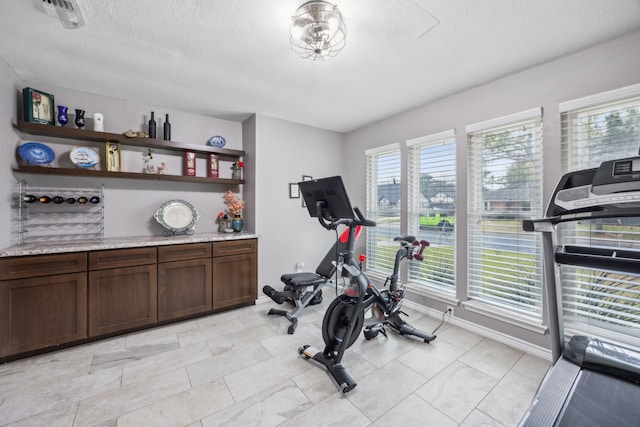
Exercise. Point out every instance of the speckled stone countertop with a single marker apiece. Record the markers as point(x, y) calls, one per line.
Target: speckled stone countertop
point(118, 243)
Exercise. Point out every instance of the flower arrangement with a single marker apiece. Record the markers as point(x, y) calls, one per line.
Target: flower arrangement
point(222, 218)
point(237, 166)
point(233, 202)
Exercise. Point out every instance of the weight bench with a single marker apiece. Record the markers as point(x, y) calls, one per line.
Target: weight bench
point(305, 288)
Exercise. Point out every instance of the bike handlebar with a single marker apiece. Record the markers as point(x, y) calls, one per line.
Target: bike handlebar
point(333, 223)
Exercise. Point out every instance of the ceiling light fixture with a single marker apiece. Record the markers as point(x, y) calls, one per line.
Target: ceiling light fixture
point(317, 30)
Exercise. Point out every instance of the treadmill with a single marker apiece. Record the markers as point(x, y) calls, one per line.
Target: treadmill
point(593, 382)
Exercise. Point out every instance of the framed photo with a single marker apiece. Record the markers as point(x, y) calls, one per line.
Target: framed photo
point(294, 190)
point(113, 156)
point(38, 106)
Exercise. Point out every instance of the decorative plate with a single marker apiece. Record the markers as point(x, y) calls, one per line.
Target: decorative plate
point(177, 215)
point(84, 157)
point(36, 153)
point(217, 141)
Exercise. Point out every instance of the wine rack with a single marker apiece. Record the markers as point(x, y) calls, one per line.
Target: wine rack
point(47, 214)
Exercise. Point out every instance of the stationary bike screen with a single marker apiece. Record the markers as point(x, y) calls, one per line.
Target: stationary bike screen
point(332, 193)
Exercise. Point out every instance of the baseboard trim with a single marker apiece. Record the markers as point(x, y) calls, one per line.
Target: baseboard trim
point(509, 340)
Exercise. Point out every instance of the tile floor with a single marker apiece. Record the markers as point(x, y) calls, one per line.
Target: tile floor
point(241, 368)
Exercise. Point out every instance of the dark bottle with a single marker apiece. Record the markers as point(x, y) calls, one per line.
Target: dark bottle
point(167, 129)
point(152, 126)
point(57, 200)
point(29, 198)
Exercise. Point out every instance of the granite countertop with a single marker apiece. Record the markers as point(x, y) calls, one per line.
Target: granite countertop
point(40, 248)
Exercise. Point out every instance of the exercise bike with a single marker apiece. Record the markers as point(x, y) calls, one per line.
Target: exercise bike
point(327, 200)
point(386, 304)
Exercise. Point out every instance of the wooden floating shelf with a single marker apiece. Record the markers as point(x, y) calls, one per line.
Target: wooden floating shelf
point(126, 175)
point(89, 135)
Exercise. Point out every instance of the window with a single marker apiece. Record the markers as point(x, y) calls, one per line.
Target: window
point(505, 168)
point(432, 208)
point(383, 206)
point(605, 303)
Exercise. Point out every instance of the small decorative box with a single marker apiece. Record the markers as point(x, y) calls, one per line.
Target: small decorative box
point(190, 163)
point(213, 166)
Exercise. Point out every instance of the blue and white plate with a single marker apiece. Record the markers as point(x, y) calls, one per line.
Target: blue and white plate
point(36, 153)
point(217, 141)
point(84, 157)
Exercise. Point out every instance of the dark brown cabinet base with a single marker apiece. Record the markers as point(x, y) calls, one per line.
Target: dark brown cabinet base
point(48, 301)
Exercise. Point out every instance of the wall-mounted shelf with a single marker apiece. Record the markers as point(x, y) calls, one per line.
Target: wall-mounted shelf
point(129, 175)
point(89, 135)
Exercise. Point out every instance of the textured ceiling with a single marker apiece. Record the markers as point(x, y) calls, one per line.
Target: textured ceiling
point(231, 58)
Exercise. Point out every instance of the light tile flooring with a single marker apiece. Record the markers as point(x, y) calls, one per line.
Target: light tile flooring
point(241, 368)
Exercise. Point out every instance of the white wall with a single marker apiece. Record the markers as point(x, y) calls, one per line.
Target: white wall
point(601, 68)
point(9, 84)
point(288, 235)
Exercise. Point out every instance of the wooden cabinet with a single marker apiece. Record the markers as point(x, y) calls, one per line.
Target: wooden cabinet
point(50, 300)
point(122, 295)
point(184, 280)
point(43, 302)
point(235, 273)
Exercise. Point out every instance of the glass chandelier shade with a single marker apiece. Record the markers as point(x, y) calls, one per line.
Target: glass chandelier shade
point(317, 30)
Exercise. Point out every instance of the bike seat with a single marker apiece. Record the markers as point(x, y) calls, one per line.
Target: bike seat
point(302, 279)
point(405, 238)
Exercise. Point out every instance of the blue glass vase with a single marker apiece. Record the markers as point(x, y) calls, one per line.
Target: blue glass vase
point(237, 223)
point(62, 115)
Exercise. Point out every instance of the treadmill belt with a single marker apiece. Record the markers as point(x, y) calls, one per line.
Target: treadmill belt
point(599, 400)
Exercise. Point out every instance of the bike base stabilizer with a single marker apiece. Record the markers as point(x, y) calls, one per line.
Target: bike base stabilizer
point(336, 371)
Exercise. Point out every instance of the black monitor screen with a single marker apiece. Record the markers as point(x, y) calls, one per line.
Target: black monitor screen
point(331, 192)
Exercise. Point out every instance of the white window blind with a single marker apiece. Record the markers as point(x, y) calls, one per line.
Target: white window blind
point(383, 206)
point(432, 209)
point(505, 186)
point(604, 303)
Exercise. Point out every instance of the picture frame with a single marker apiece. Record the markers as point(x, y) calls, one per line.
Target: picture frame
point(39, 107)
point(294, 190)
point(113, 156)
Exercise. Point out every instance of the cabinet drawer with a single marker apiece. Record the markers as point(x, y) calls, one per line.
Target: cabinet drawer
point(184, 252)
point(42, 265)
point(234, 247)
point(101, 260)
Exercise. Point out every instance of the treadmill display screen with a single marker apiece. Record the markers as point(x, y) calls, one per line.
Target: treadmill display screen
point(626, 167)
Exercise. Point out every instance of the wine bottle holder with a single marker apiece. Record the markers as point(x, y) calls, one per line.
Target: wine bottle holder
point(47, 214)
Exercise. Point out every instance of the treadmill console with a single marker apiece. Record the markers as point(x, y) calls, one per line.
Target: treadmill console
point(614, 185)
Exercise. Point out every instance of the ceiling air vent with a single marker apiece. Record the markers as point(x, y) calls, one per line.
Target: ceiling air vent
point(66, 11)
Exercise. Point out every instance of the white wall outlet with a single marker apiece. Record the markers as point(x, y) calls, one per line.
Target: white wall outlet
point(450, 310)
point(300, 267)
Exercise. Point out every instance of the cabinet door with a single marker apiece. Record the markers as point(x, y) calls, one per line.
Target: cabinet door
point(184, 288)
point(41, 312)
point(122, 299)
point(234, 280)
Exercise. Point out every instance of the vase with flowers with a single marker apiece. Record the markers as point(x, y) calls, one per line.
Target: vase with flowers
point(223, 222)
point(236, 170)
point(235, 206)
